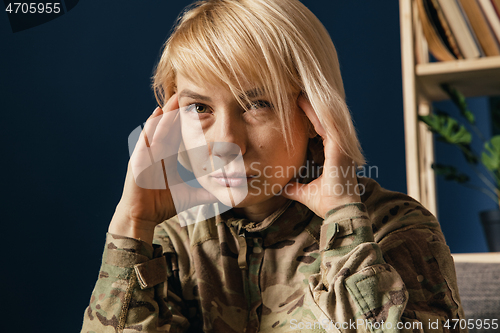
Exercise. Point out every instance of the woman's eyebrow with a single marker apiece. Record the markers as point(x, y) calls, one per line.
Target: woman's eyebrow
point(193, 95)
point(253, 93)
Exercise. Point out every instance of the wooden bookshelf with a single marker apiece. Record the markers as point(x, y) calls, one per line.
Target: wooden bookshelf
point(479, 77)
point(489, 257)
point(421, 87)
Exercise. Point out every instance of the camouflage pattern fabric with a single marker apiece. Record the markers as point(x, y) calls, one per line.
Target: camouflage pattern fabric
point(366, 267)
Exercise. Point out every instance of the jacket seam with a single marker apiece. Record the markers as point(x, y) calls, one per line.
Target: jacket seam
point(449, 283)
point(312, 236)
point(126, 302)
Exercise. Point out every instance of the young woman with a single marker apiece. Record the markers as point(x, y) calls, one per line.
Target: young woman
point(252, 96)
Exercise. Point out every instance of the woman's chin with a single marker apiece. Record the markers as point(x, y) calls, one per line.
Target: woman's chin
point(242, 200)
point(233, 197)
point(228, 196)
point(236, 196)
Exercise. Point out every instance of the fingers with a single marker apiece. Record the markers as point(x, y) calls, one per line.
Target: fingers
point(333, 152)
point(295, 191)
point(141, 157)
point(162, 130)
point(159, 140)
point(167, 136)
point(306, 106)
point(154, 120)
point(172, 103)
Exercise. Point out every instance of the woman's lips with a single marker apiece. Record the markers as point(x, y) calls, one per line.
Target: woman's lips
point(232, 181)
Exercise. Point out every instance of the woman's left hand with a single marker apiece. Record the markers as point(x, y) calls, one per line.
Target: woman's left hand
point(337, 185)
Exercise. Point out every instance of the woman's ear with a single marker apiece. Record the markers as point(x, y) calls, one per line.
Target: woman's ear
point(303, 93)
point(311, 133)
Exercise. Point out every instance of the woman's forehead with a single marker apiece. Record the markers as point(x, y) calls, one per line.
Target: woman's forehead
point(200, 85)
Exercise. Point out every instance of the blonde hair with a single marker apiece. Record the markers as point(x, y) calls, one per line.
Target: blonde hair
point(279, 46)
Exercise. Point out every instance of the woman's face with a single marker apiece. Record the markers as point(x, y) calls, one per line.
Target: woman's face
point(237, 154)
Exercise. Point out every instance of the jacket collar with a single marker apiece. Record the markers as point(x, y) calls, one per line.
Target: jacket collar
point(285, 222)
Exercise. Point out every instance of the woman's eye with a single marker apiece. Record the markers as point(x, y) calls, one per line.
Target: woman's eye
point(259, 105)
point(199, 108)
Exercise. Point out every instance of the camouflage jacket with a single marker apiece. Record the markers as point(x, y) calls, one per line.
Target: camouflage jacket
point(381, 265)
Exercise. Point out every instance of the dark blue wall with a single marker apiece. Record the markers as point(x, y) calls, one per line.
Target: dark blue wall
point(459, 206)
point(72, 90)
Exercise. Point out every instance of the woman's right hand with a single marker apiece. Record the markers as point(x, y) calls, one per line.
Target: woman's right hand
point(147, 198)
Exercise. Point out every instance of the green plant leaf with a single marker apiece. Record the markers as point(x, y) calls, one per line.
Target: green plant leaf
point(447, 128)
point(450, 173)
point(492, 160)
point(459, 100)
point(450, 131)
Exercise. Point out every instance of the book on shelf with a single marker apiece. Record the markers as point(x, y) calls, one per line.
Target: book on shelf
point(496, 5)
point(433, 32)
point(460, 27)
point(421, 46)
point(440, 20)
point(480, 26)
point(492, 16)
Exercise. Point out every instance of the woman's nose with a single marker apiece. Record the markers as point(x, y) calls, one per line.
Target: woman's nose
point(227, 151)
point(228, 137)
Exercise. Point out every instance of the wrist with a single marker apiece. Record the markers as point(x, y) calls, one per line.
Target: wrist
point(338, 203)
point(123, 225)
point(346, 211)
